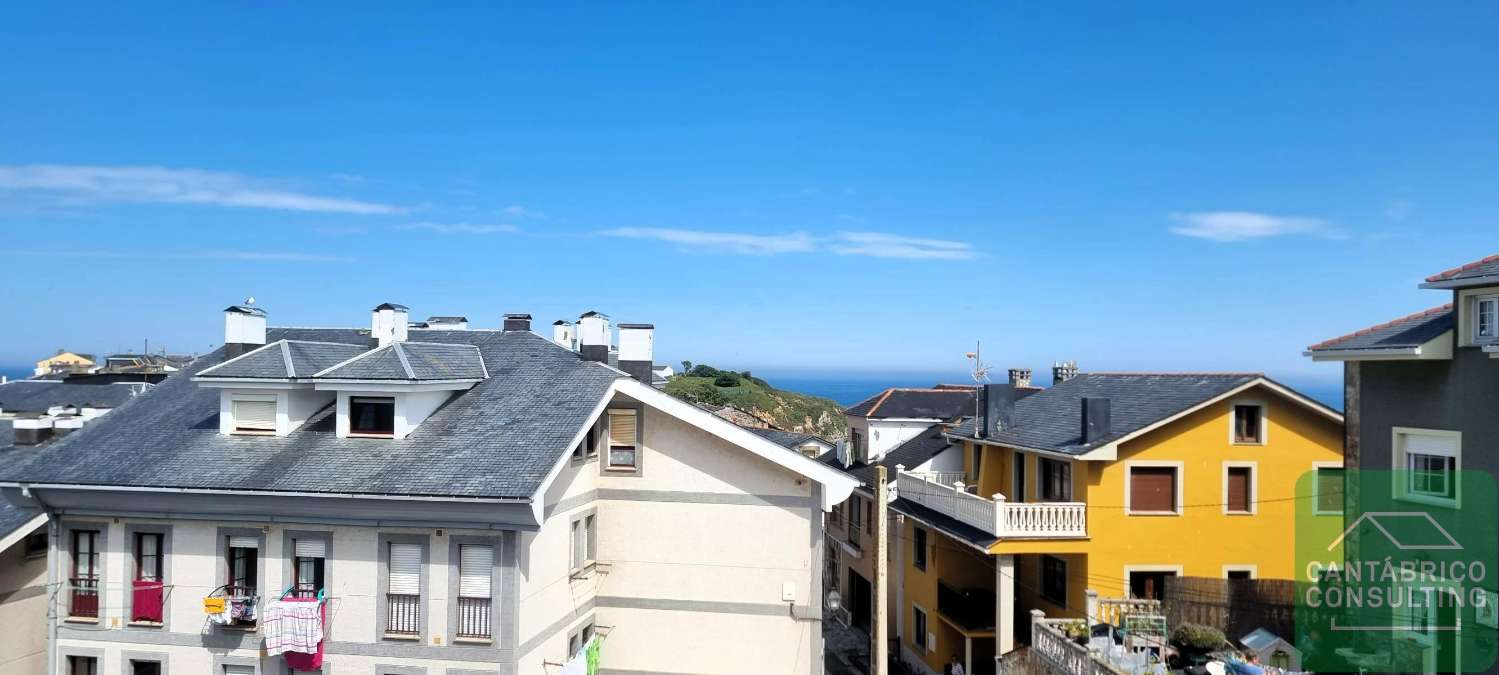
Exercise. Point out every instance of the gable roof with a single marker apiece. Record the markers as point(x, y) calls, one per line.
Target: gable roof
point(498, 439)
point(411, 361)
point(1482, 272)
point(1051, 419)
point(18, 521)
point(1406, 332)
point(787, 439)
point(287, 359)
point(915, 402)
point(914, 452)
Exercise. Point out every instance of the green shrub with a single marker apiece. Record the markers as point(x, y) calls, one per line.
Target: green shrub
point(703, 371)
point(726, 379)
point(1195, 636)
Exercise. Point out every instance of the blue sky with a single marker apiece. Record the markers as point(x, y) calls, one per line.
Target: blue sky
point(842, 187)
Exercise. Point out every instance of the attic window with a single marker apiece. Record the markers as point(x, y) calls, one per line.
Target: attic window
point(1486, 318)
point(1249, 424)
point(372, 416)
point(254, 414)
point(624, 439)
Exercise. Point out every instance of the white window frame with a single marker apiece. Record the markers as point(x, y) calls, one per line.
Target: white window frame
point(1181, 484)
point(1253, 570)
point(1254, 487)
point(1317, 468)
point(1233, 420)
point(1400, 459)
point(1478, 302)
point(235, 399)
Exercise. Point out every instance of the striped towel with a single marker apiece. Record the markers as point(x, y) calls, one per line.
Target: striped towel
point(293, 626)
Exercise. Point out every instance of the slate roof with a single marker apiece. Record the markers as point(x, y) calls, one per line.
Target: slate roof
point(933, 403)
point(910, 454)
point(498, 439)
point(39, 395)
point(1051, 419)
point(1407, 331)
point(787, 439)
point(1479, 272)
point(13, 517)
point(289, 359)
point(411, 361)
point(944, 523)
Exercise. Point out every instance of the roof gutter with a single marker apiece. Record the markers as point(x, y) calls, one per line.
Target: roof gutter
point(24, 486)
point(1467, 282)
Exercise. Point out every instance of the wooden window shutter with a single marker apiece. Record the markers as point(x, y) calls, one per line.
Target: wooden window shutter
point(405, 569)
point(475, 565)
point(256, 415)
point(1238, 488)
point(1152, 488)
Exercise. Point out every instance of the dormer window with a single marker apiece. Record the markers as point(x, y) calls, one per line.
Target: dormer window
point(372, 416)
point(1486, 318)
point(254, 414)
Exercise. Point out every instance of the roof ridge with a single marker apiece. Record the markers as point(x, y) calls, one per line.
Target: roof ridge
point(1409, 317)
point(226, 362)
point(401, 356)
point(1447, 274)
point(1183, 373)
point(322, 342)
point(291, 370)
point(877, 404)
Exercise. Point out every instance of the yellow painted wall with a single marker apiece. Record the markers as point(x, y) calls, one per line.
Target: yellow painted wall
point(1203, 538)
point(64, 359)
point(955, 564)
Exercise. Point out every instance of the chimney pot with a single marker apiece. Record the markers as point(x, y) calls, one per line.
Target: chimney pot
point(637, 349)
point(1061, 371)
point(517, 322)
point(1020, 377)
point(244, 329)
point(388, 323)
point(594, 337)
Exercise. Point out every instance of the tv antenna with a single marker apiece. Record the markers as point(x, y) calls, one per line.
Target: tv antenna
point(980, 369)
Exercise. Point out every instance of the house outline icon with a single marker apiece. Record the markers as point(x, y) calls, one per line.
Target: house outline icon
point(1373, 518)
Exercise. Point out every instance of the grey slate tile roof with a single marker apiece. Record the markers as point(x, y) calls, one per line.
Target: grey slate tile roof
point(286, 359)
point(1483, 271)
point(498, 439)
point(411, 361)
point(1408, 331)
point(1051, 419)
point(786, 439)
point(934, 403)
point(944, 523)
point(13, 517)
point(39, 395)
point(910, 454)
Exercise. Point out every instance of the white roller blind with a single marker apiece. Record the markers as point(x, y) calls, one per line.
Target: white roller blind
point(1425, 444)
point(255, 415)
point(475, 564)
point(239, 670)
point(405, 569)
point(622, 427)
point(311, 548)
point(244, 542)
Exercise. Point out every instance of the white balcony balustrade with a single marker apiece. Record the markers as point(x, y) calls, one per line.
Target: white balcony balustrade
point(954, 499)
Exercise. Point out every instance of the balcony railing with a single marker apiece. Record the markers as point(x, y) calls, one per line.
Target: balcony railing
point(1059, 653)
point(1042, 520)
point(405, 614)
point(971, 608)
point(84, 600)
point(473, 618)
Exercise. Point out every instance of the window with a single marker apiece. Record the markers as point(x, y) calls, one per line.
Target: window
point(1238, 574)
point(918, 549)
point(255, 414)
point(1056, 480)
point(577, 641)
point(624, 439)
point(855, 519)
point(85, 577)
point(145, 667)
point(1430, 463)
point(148, 556)
point(1329, 490)
point(83, 665)
point(588, 448)
point(372, 416)
point(918, 628)
point(308, 565)
point(1019, 491)
point(403, 588)
point(239, 670)
point(584, 542)
point(1238, 489)
point(244, 556)
point(1054, 580)
point(978, 464)
point(856, 445)
point(475, 567)
point(1249, 423)
point(1152, 489)
point(1486, 318)
point(36, 544)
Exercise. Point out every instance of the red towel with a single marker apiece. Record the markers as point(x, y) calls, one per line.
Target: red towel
point(146, 601)
point(306, 662)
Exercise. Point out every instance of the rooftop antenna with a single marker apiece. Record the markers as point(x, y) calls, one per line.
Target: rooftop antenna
point(980, 372)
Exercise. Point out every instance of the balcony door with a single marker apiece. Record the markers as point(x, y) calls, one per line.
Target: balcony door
point(860, 600)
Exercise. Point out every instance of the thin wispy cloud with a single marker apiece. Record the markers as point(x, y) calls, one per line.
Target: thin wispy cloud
point(165, 185)
point(869, 244)
point(1240, 226)
point(252, 256)
point(463, 228)
point(518, 211)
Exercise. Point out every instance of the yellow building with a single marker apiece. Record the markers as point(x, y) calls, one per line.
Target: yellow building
point(1108, 482)
point(65, 362)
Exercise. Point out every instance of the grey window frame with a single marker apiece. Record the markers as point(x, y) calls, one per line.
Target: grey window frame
point(128, 657)
point(221, 551)
point(591, 543)
point(382, 601)
point(165, 530)
point(65, 561)
point(604, 466)
point(588, 623)
point(589, 450)
point(220, 660)
point(498, 597)
point(289, 562)
point(65, 651)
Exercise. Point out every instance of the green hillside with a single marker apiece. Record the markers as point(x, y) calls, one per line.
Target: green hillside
point(756, 398)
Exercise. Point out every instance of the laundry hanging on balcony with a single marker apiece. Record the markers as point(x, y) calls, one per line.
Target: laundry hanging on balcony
point(146, 599)
point(294, 627)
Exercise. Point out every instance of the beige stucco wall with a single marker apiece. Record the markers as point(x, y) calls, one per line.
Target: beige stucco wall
point(23, 611)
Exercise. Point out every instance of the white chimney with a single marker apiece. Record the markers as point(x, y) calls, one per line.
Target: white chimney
point(388, 323)
point(244, 328)
point(593, 337)
point(636, 349)
point(563, 333)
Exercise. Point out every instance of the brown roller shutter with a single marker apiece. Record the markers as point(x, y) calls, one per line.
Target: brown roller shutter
point(1238, 489)
point(1152, 488)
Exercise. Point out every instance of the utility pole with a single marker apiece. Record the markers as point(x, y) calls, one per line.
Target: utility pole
point(881, 574)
